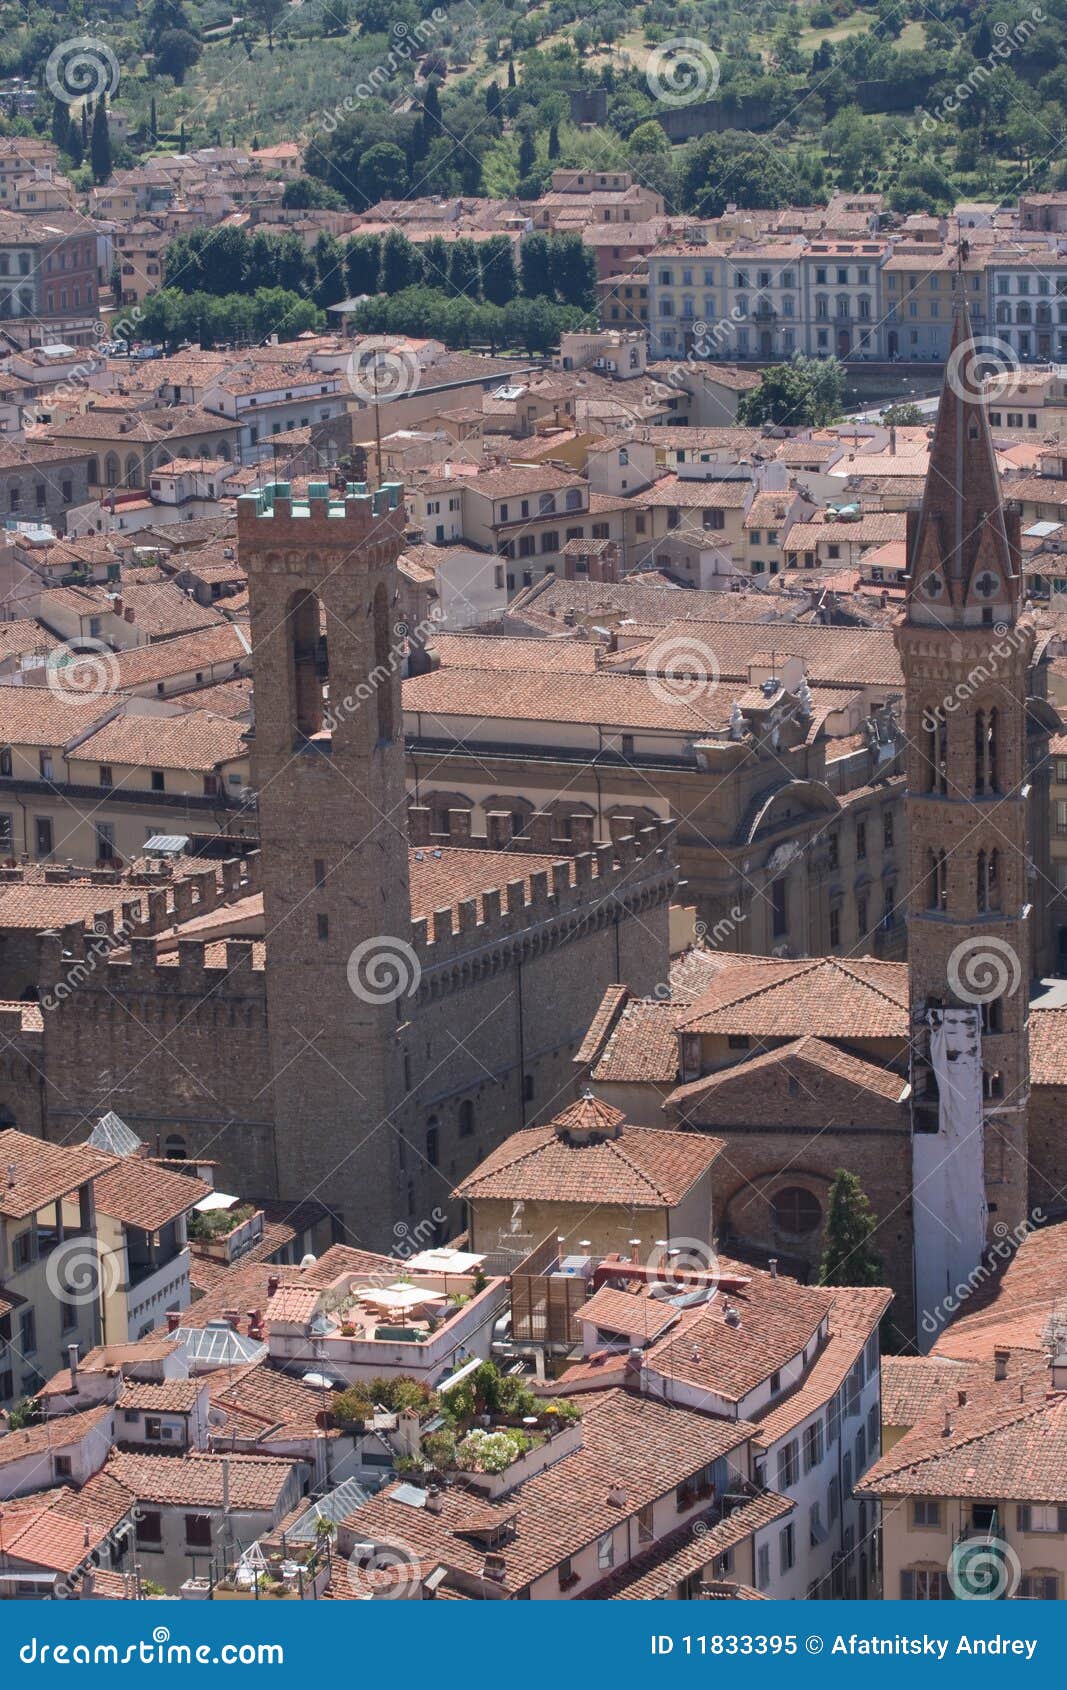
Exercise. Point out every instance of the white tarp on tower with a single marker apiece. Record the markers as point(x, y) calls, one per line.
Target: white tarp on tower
point(948, 1171)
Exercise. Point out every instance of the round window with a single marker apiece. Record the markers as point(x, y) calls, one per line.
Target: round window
point(796, 1211)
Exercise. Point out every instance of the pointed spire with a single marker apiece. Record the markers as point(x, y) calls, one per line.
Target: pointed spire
point(962, 544)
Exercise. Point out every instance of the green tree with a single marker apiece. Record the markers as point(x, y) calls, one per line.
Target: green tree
point(464, 269)
point(382, 173)
point(849, 1257)
point(401, 263)
point(307, 193)
point(61, 125)
point(804, 393)
point(572, 268)
point(329, 270)
point(500, 282)
point(177, 51)
point(100, 143)
point(363, 264)
point(903, 416)
point(266, 14)
point(534, 264)
point(527, 152)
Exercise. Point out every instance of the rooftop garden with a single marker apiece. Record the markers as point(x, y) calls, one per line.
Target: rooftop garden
point(209, 1227)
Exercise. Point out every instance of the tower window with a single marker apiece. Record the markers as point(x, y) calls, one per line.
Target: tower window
point(985, 752)
point(322, 926)
point(320, 872)
point(466, 1118)
point(937, 881)
point(303, 630)
point(383, 669)
point(935, 754)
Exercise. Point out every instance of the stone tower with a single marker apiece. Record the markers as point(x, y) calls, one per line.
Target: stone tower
point(327, 761)
point(965, 648)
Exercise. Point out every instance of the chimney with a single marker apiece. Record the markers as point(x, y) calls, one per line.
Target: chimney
point(893, 441)
point(631, 1373)
point(946, 1430)
point(433, 1499)
point(730, 1315)
point(273, 1283)
point(961, 1398)
point(127, 616)
point(72, 1358)
point(173, 1320)
point(225, 1484)
point(1000, 1364)
point(772, 1266)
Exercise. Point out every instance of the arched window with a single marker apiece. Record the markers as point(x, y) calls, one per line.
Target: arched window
point(935, 755)
point(175, 1148)
point(988, 879)
point(111, 470)
point(1022, 312)
point(937, 881)
point(466, 1118)
point(133, 471)
point(383, 664)
point(433, 1140)
point(796, 1211)
point(93, 472)
point(985, 752)
point(303, 624)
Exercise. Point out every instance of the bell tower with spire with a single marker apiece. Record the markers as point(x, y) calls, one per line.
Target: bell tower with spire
point(965, 647)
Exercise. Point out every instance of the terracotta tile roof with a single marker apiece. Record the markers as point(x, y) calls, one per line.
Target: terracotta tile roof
point(256, 1482)
point(498, 651)
point(1048, 1041)
point(643, 1045)
point(854, 1315)
point(34, 1172)
point(643, 1447)
point(185, 654)
point(195, 740)
point(35, 715)
point(50, 1435)
point(1011, 1309)
point(831, 656)
point(778, 1319)
point(996, 1446)
point(643, 1167)
point(142, 1194)
point(444, 878)
point(658, 1572)
point(172, 1396)
point(605, 699)
point(62, 1535)
point(809, 1051)
point(916, 1387)
point(24, 636)
point(260, 1402)
point(692, 494)
point(823, 995)
point(613, 1310)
